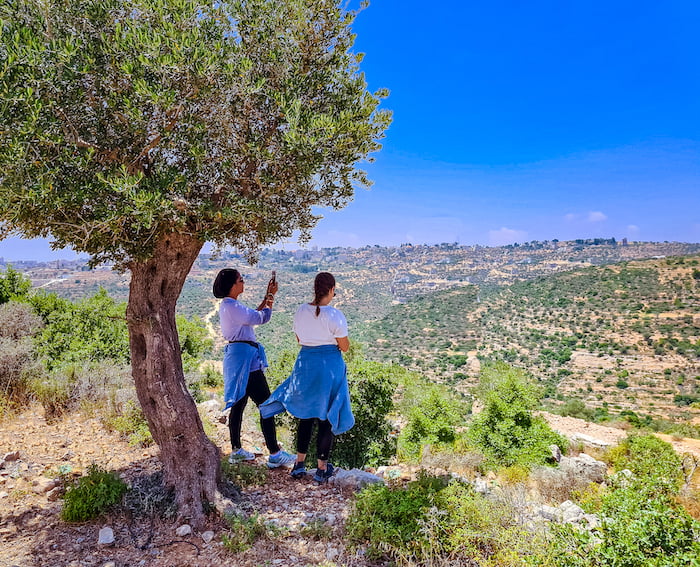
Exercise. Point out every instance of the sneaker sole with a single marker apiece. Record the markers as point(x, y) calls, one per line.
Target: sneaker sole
point(240, 460)
point(278, 465)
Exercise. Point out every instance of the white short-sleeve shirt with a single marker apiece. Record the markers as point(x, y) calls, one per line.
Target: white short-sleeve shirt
point(322, 330)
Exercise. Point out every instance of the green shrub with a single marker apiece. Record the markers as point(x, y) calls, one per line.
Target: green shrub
point(212, 377)
point(194, 341)
point(432, 422)
point(506, 429)
point(651, 459)
point(433, 521)
point(13, 285)
point(243, 474)
point(92, 495)
point(131, 424)
point(641, 527)
point(244, 532)
point(387, 518)
point(90, 330)
point(372, 386)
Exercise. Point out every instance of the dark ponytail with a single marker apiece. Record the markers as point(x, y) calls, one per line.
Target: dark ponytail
point(224, 281)
point(323, 283)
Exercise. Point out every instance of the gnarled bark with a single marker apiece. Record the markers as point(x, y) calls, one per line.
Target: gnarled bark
point(190, 459)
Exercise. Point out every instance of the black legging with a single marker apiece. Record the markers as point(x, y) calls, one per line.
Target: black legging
point(324, 440)
point(258, 391)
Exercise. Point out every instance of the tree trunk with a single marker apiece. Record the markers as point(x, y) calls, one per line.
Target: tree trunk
point(190, 460)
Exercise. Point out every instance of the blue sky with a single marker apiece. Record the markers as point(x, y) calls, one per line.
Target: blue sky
point(518, 121)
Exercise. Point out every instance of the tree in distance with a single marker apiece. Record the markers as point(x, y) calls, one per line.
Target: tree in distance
point(138, 130)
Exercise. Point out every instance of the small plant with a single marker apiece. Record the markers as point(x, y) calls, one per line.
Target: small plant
point(317, 529)
point(54, 394)
point(243, 474)
point(92, 495)
point(212, 377)
point(244, 532)
point(132, 425)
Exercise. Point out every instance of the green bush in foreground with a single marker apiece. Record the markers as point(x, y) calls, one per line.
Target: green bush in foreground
point(506, 430)
point(641, 527)
point(642, 523)
point(431, 520)
point(244, 532)
point(92, 495)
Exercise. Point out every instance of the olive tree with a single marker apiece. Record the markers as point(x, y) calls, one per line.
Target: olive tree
point(138, 130)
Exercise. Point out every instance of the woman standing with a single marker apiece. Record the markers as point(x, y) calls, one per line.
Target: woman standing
point(244, 362)
point(317, 391)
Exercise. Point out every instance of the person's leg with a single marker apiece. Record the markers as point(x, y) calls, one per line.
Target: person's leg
point(304, 430)
point(235, 419)
point(324, 443)
point(259, 391)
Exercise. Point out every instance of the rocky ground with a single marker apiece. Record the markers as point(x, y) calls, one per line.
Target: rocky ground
point(308, 519)
point(32, 533)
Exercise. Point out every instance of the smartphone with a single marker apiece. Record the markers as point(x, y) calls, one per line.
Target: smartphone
point(273, 279)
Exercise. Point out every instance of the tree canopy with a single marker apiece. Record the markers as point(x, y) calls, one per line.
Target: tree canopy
point(124, 121)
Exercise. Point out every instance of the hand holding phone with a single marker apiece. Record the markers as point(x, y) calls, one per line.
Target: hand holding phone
point(272, 285)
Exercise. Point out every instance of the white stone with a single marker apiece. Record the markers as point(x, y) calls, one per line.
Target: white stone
point(183, 530)
point(549, 513)
point(44, 484)
point(208, 536)
point(481, 486)
point(106, 536)
point(355, 479)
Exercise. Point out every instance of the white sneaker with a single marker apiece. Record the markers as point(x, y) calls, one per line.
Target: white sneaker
point(281, 459)
point(240, 455)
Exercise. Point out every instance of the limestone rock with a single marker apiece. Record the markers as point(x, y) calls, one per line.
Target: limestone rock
point(584, 467)
point(208, 536)
point(10, 457)
point(106, 536)
point(184, 530)
point(556, 452)
point(355, 479)
point(43, 484)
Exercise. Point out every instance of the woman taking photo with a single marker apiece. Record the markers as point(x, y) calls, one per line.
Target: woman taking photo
point(317, 391)
point(244, 362)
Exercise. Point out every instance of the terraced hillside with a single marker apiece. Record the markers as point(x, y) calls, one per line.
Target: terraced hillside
point(623, 337)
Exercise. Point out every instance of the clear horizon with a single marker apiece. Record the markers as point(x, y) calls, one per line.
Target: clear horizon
point(515, 123)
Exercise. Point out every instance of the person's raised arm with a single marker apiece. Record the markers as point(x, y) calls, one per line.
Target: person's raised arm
point(269, 298)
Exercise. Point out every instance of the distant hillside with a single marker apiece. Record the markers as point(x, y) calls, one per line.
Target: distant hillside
point(608, 322)
point(625, 336)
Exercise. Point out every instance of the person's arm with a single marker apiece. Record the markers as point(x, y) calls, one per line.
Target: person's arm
point(247, 316)
point(343, 343)
point(269, 298)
